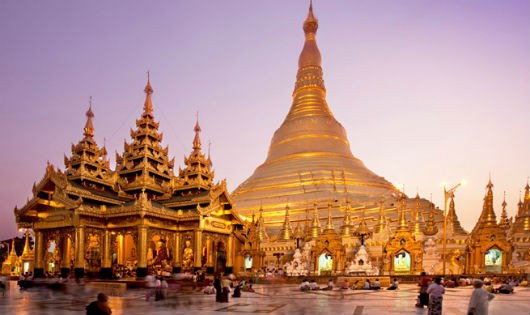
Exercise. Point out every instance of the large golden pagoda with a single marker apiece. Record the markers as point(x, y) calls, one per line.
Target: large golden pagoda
point(309, 159)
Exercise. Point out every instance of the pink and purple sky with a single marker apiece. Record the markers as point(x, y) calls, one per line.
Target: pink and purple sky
point(428, 91)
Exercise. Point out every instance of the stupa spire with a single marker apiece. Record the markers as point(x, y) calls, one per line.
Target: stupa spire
point(315, 224)
point(454, 225)
point(487, 217)
point(286, 232)
point(504, 221)
point(89, 126)
point(309, 145)
point(402, 227)
point(329, 224)
point(262, 232)
point(346, 228)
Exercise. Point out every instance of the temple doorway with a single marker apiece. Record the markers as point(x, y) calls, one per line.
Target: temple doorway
point(220, 261)
point(493, 260)
point(52, 258)
point(325, 263)
point(402, 262)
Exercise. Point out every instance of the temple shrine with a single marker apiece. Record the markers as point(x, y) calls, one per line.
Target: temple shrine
point(90, 218)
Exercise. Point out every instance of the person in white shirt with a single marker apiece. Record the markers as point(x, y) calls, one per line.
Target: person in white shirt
point(305, 285)
point(479, 301)
point(376, 285)
point(366, 285)
point(436, 291)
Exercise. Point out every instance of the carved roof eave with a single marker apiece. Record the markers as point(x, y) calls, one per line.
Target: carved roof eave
point(109, 183)
point(163, 213)
point(27, 207)
point(85, 193)
point(58, 178)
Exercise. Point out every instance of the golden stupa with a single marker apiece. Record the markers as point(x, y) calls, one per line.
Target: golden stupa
point(309, 159)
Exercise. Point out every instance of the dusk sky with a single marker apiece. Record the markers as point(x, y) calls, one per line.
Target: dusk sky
point(428, 91)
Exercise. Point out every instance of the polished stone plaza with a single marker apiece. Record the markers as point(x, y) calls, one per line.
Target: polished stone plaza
point(268, 299)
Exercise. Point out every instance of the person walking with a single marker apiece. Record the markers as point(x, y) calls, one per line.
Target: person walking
point(436, 291)
point(479, 301)
point(218, 288)
point(423, 282)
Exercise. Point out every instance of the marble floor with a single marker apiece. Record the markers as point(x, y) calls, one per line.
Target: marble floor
point(268, 299)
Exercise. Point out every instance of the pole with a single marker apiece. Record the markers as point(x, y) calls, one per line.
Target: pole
point(444, 244)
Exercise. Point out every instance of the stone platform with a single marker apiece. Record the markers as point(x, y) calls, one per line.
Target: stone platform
point(268, 299)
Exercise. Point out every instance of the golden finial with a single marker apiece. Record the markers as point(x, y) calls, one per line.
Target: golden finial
point(197, 139)
point(311, 23)
point(148, 105)
point(89, 126)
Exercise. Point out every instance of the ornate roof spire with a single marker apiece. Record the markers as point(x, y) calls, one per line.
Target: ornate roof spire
point(148, 105)
point(315, 225)
point(382, 218)
point(262, 232)
point(504, 221)
point(346, 228)
point(88, 164)
point(89, 126)
point(144, 164)
point(286, 232)
point(527, 192)
point(487, 217)
point(329, 225)
point(197, 139)
point(417, 219)
point(403, 226)
point(452, 219)
point(198, 171)
point(430, 224)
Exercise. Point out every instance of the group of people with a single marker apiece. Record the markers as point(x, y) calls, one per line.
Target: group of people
point(376, 285)
point(431, 295)
point(155, 286)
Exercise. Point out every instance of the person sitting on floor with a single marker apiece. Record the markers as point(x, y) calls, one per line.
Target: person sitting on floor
point(305, 285)
point(505, 288)
point(355, 285)
point(237, 291)
point(313, 285)
point(367, 285)
point(394, 285)
point(330, 285)
point(345, 284)
point(376, 285)
point(209, 289)
point(250, 289)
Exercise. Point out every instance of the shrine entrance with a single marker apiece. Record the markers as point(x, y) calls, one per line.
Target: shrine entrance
point(325, 263)
point(220, 260)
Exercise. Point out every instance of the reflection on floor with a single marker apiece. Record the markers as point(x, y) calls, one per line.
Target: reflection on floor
point(268, 299)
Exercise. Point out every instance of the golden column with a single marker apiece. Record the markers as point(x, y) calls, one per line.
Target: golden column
point(39, 250)
point(79, 247)
point(209, 252)
point(230, 252)
point(197, 259)
point(141, 270)
point(67, 244)
point(177, 253)
point(107, 263)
